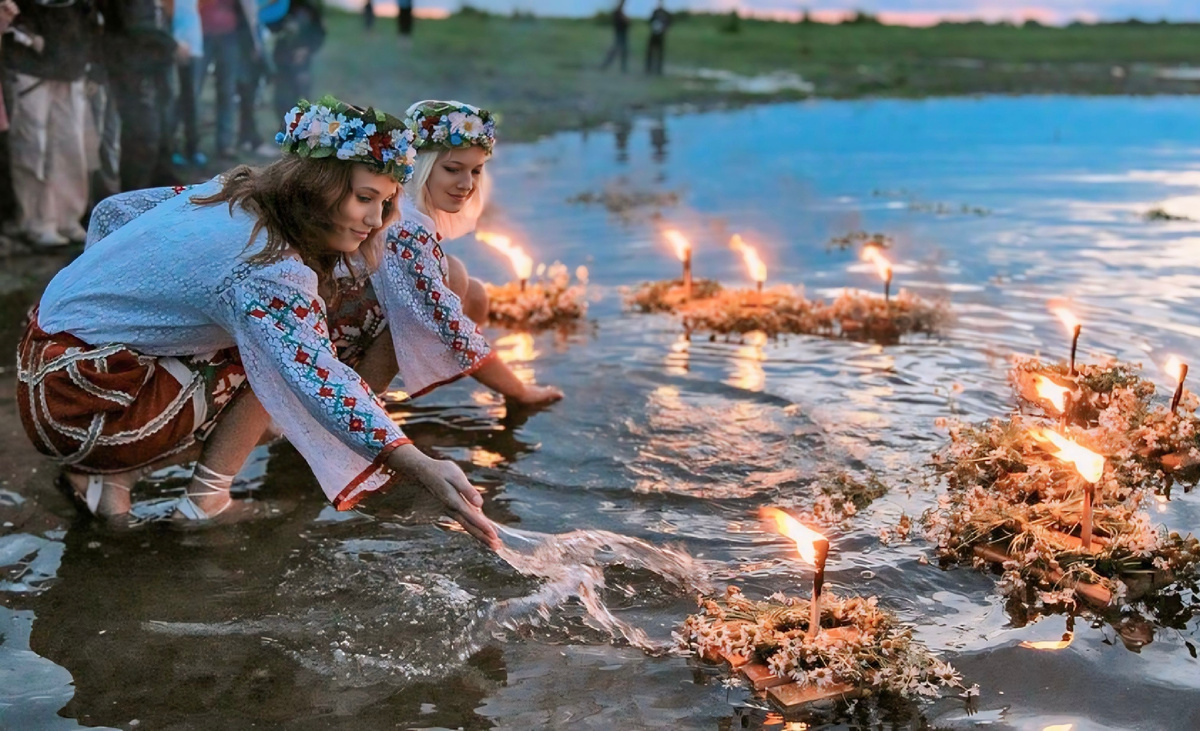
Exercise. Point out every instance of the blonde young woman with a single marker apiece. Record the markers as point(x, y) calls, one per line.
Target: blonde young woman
point(418, 279)
point(196, 318)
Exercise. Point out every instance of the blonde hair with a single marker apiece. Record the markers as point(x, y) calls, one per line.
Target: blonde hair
point(449, 225)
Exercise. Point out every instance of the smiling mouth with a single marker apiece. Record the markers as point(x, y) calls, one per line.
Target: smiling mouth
point(360, 234)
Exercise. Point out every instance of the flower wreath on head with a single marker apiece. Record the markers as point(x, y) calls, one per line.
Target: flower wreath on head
point(450, 124)
point(332, 128)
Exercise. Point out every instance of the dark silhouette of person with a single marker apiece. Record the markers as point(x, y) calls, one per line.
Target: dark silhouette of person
point(369, 15)
point(620, 46)
point(660, 20)
point(405, 18)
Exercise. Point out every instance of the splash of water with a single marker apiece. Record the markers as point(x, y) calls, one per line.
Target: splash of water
point(572, 565)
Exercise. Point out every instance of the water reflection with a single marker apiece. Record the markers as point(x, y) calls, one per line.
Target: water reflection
point(677, 441)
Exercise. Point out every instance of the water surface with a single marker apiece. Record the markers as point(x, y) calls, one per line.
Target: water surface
point(379, 618)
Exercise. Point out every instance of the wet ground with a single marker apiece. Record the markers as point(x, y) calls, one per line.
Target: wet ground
point(381, 619)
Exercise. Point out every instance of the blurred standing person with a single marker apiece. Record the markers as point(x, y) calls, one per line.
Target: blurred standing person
point(369, 16)
point(189, 65)
point(620, 46)
point(298, 38)
point(254, 70)
point(405, 19)
point(8, 204)
point(660, 20)
point(138, 51)
point(230, 41)
point(46, 138)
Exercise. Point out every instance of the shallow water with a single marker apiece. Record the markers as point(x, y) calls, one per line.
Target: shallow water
point(380, 618)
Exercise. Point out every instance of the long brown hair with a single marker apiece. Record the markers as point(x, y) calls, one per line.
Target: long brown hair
point(296, 200)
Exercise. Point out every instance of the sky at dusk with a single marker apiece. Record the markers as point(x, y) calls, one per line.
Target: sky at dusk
point(914, 12)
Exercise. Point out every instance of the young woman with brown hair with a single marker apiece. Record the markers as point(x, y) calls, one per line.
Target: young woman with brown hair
point(196, 317)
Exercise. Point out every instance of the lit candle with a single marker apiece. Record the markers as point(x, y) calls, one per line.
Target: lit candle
point(1090, 467)
point(522, 264)
point(1073, 325)
point(683, 250)
point(755, 265)
point(813, 548)
point(883, 267)
point(1178, 370)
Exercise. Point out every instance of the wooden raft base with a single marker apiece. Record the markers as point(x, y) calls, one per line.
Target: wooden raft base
point(1094, 594)
point(788, 694)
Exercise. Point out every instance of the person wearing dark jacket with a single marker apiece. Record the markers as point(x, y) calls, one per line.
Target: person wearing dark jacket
point(620, 46)
point(298, 37)
point(660, 20)
point(138, 50)
point(48, 117)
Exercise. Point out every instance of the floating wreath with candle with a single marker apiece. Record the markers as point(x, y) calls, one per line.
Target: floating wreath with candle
point(705, 306)
point(1152, 443)
point(860, 649)
point(529, 303)
point(549, 301)
point(1061, 507)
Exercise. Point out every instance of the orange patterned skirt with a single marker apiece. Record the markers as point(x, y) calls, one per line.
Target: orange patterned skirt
point(107, 408)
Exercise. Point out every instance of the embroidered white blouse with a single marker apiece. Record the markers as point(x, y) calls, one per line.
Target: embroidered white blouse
point(166, 277)
point(434, 341)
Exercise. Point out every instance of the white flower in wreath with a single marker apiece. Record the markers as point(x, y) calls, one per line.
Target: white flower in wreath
point(362, 147)
point(458, 121)
point(346, 152)
point(440, 133)
point(471, 126)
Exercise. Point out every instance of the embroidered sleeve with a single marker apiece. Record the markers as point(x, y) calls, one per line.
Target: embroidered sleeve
point(115, 211)
point(434, 341)
point(283, 339)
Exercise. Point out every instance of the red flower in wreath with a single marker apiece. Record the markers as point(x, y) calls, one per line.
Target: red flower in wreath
point(379, 142)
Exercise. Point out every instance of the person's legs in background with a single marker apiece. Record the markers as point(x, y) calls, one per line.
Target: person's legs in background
point(66, 158)
point(28, 140)
point(221, 51)
point(249, 74)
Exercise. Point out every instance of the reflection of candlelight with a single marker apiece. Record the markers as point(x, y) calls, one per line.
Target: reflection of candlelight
point(1073, 325)
point(1090, 467)
point(813, 548)
point(683, 250)
point(1062, 644)
point(522, 264)
point(883, 267)
point(755, 265)
point(1178, 370)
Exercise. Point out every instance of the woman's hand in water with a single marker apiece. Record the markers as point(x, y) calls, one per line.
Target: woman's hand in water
point(536, 395)
point(446, 481)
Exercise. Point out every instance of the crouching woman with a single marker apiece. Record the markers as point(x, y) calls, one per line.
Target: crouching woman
point(196, 318)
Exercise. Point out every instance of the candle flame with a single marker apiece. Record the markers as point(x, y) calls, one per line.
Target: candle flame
point(806, 539)
point(1087, 463)
point(1062, 644)
point(581, 273)
point(1174, 368)
point(755, 265)
point(1052, 392)
point(882, 266)
point(1067, 318)
point(522, 264)
point(680, 243)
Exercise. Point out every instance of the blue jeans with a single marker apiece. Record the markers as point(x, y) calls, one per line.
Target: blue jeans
point(227, 53)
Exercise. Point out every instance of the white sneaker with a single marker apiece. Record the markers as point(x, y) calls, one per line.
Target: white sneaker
point(46, 238)
point(74, 233)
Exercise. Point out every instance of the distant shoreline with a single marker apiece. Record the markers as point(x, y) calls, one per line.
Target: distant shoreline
point(543, 74)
